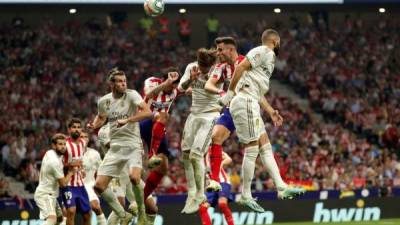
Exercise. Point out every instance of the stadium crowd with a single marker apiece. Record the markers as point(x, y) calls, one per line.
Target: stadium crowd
point(49, 73)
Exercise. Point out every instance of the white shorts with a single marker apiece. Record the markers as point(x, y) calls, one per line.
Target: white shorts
point(197, 132)
point(91, 193)
point(48, 206)
point(246, 116)
point(118, 157)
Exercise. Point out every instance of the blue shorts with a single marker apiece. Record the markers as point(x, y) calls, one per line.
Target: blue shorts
point(76, 197)
point(212, 197)
point(226, 120)
point(146, 128)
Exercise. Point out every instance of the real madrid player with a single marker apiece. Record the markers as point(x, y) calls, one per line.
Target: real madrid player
point(250, 82)
point(123, 108)
point(198, 126)
point(50, 180)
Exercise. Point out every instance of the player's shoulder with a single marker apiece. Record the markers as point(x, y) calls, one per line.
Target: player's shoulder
point(105, 97)
point(51, 157)
point(131, 92)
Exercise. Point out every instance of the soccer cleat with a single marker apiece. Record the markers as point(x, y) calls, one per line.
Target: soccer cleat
point(251, 204)
point(291, 192)
point(133, 209)
point(214, 186)
point(127, 219)
point(194, 205)
point(142, 218)
point(154, 161)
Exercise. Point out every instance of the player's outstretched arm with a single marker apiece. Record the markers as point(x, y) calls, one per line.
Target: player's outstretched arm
point(273, 113)
point(144, 112)
point(211, 84)
point(172, 77)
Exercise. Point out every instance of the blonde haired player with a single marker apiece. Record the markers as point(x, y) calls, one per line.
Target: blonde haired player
point(123, 108)
point(50, 180)
point(250, 82)
point(198, 126)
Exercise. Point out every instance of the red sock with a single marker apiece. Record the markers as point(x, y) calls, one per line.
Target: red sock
point(157, 135)
point(152, 182)
point(205, 218)
point(227, 213)
point(215, 161)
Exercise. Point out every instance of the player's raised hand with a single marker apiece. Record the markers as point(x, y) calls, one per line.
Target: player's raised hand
point(90, 125)
point(173, 76)
point(194, 73)
point(121, 122)
point(276, 118)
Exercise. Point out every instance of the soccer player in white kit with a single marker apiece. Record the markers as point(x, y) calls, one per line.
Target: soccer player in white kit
point(250, 82)
point(197, 131)
point(91, 162)
point(123, 108)
point(51, 178)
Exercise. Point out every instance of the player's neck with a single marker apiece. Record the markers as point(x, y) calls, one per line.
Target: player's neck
point(117, 94)
point(76, 141)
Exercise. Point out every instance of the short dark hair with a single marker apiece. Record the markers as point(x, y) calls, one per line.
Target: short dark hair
point(206, 57)
point(226, 40)
point(72, 121)
point(268, 34)
point(171, 69)
point(115, 72)
point(56, 137)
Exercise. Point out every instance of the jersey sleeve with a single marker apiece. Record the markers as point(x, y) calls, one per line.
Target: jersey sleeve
point(255, 57)
point(135, 97)
point(269, 61)
point(217, 72)
point(57, 169)
point(185, 77)
point(100, 107)
point(149, 86)
point(97, 160)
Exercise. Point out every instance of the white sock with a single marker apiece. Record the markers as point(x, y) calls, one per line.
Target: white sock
point(199, 172)
point(129, 192)
point(110, 198)
point(139, 194)
point(101, 219)
point(151, 218)
point(189, 173)
point(267, 158)
point(248, 166)
point(112, 219)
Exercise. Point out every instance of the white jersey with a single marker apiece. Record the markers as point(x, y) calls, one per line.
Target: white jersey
point(91, 162)
point(202, 100)
point(163, 101)
point(104, 137)
point(121, 108)
point(50, 172)
point(256, 80)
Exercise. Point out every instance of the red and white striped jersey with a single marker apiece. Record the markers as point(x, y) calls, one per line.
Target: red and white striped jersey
point(163, 101)
point(223, 176)
point(75, 152)
point(224, 71)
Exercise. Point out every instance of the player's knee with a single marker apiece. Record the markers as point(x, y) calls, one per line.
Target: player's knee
point(96, 208)
point(195, 156)
point(216, 138)
point(222, 204)
point(135, 179)
point(71, 211)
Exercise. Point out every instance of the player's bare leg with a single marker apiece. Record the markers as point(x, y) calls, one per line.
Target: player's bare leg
point(219, 134)
point(101, 219)
point(267, 157)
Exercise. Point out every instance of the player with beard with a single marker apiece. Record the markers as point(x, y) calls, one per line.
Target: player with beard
point(50, 179)
point(250, 82)
point(123, 108)
point(75, 196)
